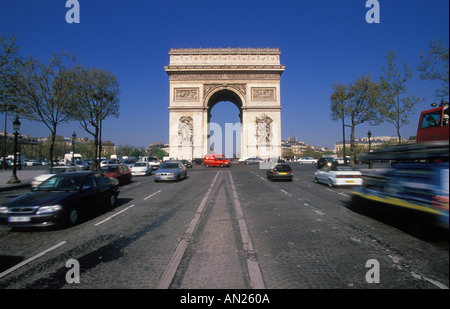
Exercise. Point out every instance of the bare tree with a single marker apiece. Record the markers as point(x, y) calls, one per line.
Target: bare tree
point(434, 66)
point(44, 93)
point(364, 105)
point(94, 97)
point(10, 64)
point(394, 82)
point(338, 110)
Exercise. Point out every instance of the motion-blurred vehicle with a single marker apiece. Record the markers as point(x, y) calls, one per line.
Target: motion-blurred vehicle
point(338, 175)
point(119, 171)
point(60, 200)
point(250, 161)
point(281, 171)
point(51, 172)
point(170, 170)
point(324, 161)
point(307, 160)
point(141, 168)
point(419, 188)
point(216, 160)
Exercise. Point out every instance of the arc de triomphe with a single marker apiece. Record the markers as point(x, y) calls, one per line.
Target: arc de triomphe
point(247, 77)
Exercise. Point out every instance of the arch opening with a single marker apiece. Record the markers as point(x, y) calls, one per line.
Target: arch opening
point(225, 124)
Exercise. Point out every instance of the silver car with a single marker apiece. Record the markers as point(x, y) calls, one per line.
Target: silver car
point(171, 171)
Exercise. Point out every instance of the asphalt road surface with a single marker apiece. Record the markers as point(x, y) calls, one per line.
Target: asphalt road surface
point(228, 228)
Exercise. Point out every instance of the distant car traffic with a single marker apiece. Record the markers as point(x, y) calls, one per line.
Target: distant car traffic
point(171, 170)
point(338, 175)
point(186, 163)
point(281, 171)
point(249, 161)
point(60, 200)
point(119, 171)
point(325, 160)
point(141, 168)
point(197, 161)
point(307, 160)
point(412, 188)
point(154, 163)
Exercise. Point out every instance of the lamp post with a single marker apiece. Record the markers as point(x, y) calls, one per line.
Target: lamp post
point(16, 126)
point(369, 135)
point(344, 156)
point(73, 148)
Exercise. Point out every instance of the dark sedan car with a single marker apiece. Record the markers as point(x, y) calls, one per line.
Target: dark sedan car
point(60, 200)
point(281, 171)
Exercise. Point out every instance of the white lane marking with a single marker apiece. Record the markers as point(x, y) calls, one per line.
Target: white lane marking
point(31, 259)
point(112, 216)
point(285, 192)
point(152, 195)
point(254, 271)
point(436, 283)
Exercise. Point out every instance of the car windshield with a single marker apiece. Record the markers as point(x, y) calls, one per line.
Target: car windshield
point(170, 165)
point(140, 164)
point(61, 182)
point(109, 169)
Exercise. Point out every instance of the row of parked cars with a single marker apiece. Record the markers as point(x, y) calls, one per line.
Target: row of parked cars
point(61, 196)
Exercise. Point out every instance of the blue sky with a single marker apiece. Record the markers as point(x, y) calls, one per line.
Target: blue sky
point(321, 42)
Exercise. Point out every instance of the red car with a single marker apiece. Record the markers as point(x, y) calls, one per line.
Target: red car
point(119, 171)
point(216, 160)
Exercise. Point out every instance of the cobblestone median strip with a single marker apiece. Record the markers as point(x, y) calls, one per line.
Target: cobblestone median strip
point(171, 268)
point(256, 279)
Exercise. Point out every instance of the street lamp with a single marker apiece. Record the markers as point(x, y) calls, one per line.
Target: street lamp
point(16, 127)
point(73, 148)
point(369, 135)
point(349, 95)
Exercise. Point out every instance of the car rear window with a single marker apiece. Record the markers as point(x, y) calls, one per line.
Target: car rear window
point(283, 168)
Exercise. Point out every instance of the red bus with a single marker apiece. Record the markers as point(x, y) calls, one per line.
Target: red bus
point(433, 124)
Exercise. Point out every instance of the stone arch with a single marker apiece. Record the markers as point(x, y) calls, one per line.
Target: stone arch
point(247, 77)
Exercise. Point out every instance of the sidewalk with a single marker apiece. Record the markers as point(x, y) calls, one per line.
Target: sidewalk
point(25, 176)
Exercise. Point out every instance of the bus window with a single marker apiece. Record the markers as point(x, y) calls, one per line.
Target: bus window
point(432, 119)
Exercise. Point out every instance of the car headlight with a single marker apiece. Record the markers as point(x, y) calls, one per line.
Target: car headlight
point(48, 209)
point(4, 210)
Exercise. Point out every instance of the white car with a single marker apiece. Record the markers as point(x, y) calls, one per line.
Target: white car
point(338, 175)
point(307, 160)
point(141, 168)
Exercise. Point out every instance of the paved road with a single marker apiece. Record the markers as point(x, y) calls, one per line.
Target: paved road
point(228, 228)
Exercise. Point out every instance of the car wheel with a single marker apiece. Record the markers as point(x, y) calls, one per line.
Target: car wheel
point(112, 200)
point(73, 216)
point(316, 180)
point(330, 183)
